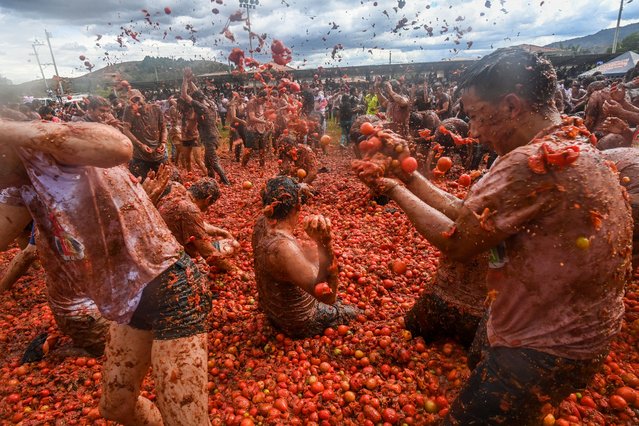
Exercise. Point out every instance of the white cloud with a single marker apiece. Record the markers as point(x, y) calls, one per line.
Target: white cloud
point(306, 26)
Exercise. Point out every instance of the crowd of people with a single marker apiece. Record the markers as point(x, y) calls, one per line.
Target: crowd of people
point(548, 216)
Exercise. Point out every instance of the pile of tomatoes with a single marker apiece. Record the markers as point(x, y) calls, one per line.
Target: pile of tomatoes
point(369, 372)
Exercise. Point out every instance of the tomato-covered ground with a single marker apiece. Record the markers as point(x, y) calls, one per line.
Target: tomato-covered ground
point(370, 372)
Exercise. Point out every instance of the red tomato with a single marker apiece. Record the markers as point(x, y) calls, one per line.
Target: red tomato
point(317, 387)
point(399, 267)
point(167, 10)
point(322, 289)
point(325, 140)
point(365, 145)
point(464, 180)
point(444, 164)
point(617, 402)
point(409, 164)
point(366, 128)
point(376, 143)
point(587, 401)
point(301, 173)
point(628, 394)
point(389, 415)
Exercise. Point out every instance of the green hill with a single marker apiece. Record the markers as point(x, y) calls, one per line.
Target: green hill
point(149, 70)
point(595, 43)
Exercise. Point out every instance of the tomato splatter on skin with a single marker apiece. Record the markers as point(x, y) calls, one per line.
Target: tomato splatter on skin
point(485, 220)
point(458, 140)
point(549, 156)
point(449, 233)
point(596, 218)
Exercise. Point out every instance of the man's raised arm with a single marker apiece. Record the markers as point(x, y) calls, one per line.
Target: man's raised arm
point(78, 144)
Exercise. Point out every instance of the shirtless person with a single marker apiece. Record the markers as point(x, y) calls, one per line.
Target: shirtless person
point(183, 211)
point(627, 163)
point(236, 117)
point(175, 131)
point(102, 235)
point(147, 131)
point(547, 207)
point(595, 114)
point(257, 129)
point(397, 105)
point(205, 113)
point(190, 137)
point(288, 279)
point(296, 157)
point(442, 102)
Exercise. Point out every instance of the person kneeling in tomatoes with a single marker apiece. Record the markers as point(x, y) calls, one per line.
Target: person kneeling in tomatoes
point(297, 291)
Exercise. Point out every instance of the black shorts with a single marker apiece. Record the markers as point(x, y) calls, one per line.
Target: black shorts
point(190, 143)
point(433, 318)
point(175, 304)
point(510, 386)
point(255, 140)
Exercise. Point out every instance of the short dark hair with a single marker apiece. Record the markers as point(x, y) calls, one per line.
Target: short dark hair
point(96, 102)
point(45, 110)
point(205, 188)
point(197, 95)
point(280, 196)
point(454, 125)
point(512, 70)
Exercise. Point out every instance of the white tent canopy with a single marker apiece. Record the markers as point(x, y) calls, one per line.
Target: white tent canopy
point(616, 66)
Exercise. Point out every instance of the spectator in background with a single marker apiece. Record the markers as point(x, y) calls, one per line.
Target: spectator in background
point(47, 113)
point(222, 109)
point(319, 106)
point(443, 103)
point(348, 106)
point(397, 104)
point(578, 97)
point(206, 114)
point(236, 117)
point(258, 128)
point(148, 134)
point(372, 102)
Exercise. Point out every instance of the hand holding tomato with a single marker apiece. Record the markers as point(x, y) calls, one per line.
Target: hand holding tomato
point(369, 171)
point(318, 228)
point(322, 290)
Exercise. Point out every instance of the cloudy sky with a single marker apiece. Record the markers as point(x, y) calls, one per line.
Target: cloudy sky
point(319, 32)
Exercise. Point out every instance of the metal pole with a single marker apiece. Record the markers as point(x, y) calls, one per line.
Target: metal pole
point(616, 39)
point(40, 66)
point(55, 67)
point(248, 21)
